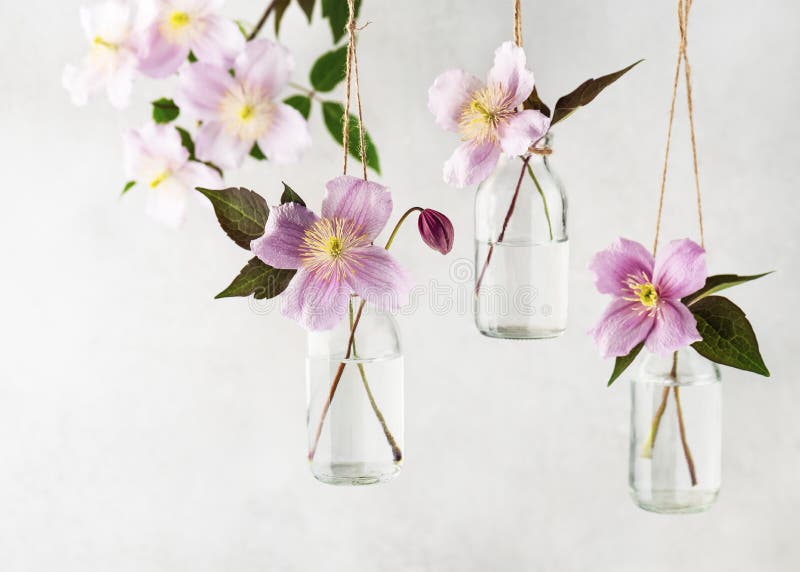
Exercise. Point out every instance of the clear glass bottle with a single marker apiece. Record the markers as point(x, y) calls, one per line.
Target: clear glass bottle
point(521, 250)
point(676, 433)
point(355, 399)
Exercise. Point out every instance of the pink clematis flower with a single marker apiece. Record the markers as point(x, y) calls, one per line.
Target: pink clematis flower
point(155, 157)
point(333, 254)
point(113, 30)
point(181, 26)
point(487, 116)
point(239, 111)
point(647, 296)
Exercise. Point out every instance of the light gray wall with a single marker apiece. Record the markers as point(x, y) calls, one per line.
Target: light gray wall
point(146, 427)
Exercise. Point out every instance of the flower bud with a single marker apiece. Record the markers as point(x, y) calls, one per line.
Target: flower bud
point(436, 230)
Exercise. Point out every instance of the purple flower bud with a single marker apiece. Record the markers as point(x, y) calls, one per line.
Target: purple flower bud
point(436, 230)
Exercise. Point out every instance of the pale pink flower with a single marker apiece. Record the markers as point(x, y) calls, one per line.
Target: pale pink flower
point(239, 111)
point(181, 26)
point(647, 295)
point(155, 158)
point(487, 116)
point(113, 30)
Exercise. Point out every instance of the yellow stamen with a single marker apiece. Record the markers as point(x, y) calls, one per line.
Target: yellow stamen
point(246, 112)
point(486, 112)
point(178, 20)
point(100, 42)
point(327, 247)
point(646, 293)
point(159, 179)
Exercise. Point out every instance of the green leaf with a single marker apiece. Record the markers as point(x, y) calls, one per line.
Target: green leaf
point(192, 58)
point(301, 103)
point(622, 363)
point(308, 8)
point(534, 102)
point(329, 70)
point(164, 110)
point(728, 337)
point(280, 8)
point(260, 280)
point(186, 141)
point(332, 113)
point(257, 153)
point(337, 13)
point(289, 196)
point(585, 93)
point(241, 213)
point(128, 186)
point(719, 282)
point(242, 29)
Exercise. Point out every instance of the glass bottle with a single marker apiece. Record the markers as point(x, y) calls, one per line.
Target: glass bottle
point(521, 250)
point(676, 433)
point(355, 399)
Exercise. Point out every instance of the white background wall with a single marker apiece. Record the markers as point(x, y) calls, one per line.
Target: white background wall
point(145, 426)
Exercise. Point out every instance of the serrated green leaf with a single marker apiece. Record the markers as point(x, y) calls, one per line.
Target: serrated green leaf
point(332, 113)
point(308, 8)
point(164, 110)
point(622, 363)
point(289, 196)
point(720, 282)
point(241, 213)
point(260, 280)
point(535, 102)
point(329, 70)
point(280, 8)
point(186, 141)
point(257, 153)
point(728, 337)
point(301, 103)
point(128, 186)
point(585, 93)
point(338, 13)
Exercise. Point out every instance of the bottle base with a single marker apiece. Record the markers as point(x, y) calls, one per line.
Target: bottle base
point(676, 502)
point(355, 474)
point(520, 333)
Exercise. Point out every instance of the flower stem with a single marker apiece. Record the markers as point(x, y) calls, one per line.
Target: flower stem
point(544, 201)
point(686, 452)
point(308, 91)
point(262, 20)
point(505, 225)
point(399, 224)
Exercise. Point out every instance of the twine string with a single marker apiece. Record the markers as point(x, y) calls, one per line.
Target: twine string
point(518, 22)
point(684, 7)
point(351, 68)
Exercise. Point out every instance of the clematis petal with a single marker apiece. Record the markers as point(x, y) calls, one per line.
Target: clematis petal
point(266, 65)
point(448, 96)
point(166, 203)
point(680, 269)
point(108, 20)
point(621, 327)
point(365, 203)
point(523, 130)
point(471, 163)
point(614, 266)
point(194, 174)
point(152, 151)
point(316, 302)
point(201, 88)
point(287, 137)
point(82, 82)
point(674, 329)
point(159, 56)
point(379, 279)
point(219, 43)
point(215, 144)
point(280, 245)
point(509, 71)
point(119, 84)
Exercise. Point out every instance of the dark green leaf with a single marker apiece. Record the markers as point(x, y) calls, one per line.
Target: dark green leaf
point(332, 112)
point(186, 141)
point(622, 363)
point(260, 280)
point(337, 13)
point(192, 58)
point(289, 196)
point(301, 103)
point(257, 153)
point(308, 8)
point(241, 213)
point(329, 69)
point(585, 93)
point(164, 110)
point(719, 282)
point(534, 102)
point(128, 186)
point(280, 8)
point(728, 337)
